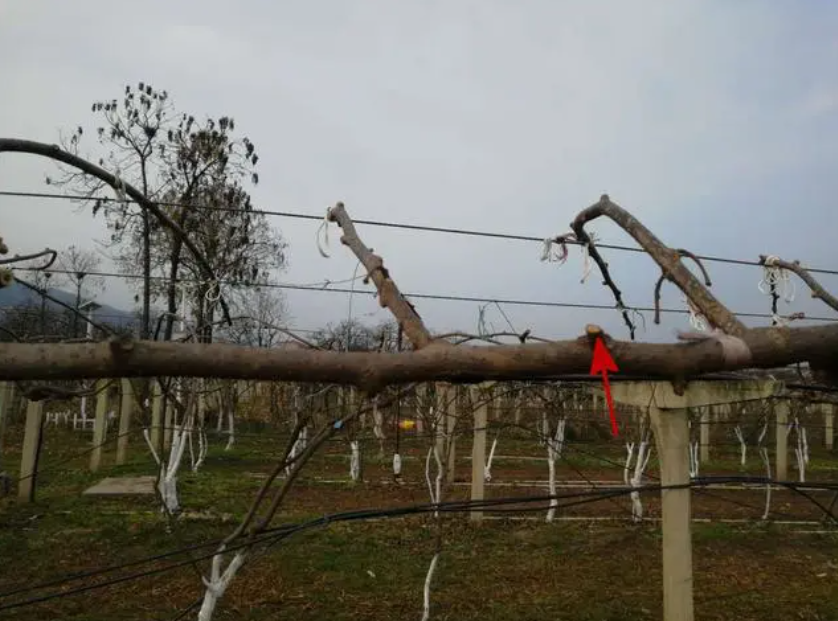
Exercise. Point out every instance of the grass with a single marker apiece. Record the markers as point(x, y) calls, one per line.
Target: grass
point(501, 569)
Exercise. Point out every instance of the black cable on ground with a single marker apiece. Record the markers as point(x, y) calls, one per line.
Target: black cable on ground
point(282, 532)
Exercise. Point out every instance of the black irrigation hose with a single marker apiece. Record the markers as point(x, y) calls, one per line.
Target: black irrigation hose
point(282, 532)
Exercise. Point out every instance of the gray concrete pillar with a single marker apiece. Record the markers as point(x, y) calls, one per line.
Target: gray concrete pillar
point(31, 450)
point(672, 438)
point(157, 419)
point(478, 455)
point(704, 434)
point(452, 411)
point(100, 424)
point(6, 399)
point(781, 413)
point(126, 408)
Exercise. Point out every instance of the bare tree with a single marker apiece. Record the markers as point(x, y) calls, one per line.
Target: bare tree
point(132, 133)
point(236, 239)
point(188, 167)
point(78, 264)
point(259, 315)
point(353, 335)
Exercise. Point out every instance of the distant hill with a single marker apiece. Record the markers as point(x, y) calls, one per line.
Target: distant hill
point(18, 295)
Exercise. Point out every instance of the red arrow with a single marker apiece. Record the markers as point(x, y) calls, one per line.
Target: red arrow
point(603, 363)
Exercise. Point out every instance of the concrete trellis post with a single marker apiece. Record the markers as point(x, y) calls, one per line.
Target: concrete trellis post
point(6, 399)
point(420, 395)
point(157, 419)
point(670, 420)
point(126, 408)
point(478, 453)
point(100, 424)
point(452, 412)
point(828, 425)
point(704, 435)
point(31, 448)
point(672, 438)
point(495, 403)
point(447, 421)
point(781, 413)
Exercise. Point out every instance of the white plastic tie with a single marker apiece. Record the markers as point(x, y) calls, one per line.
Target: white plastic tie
point(587, 266)
point(697, 320)
point(323, 233)
point(551, 255)
point(773, 276)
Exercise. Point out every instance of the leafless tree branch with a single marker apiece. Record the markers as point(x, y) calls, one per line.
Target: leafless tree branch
point(801, 272)
point(669, 261)
point(581, 237)
point(666, 276)
point(388, 293)
point(46, 252)
point(54, 152)
point(769, 347)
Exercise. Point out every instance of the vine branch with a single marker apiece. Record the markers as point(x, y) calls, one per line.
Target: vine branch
point(769, 348)
point(389, 295)
point(801, 272)
point(669, 261)
point(666, 276)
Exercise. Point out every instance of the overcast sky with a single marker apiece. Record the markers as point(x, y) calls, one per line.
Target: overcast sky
point(714, 122)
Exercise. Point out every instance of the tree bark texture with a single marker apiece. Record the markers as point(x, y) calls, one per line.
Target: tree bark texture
point(669, 261)
point(769, 348)
point(388, 293)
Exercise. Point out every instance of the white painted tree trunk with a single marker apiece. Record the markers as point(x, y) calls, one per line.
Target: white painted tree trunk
point(765, 459)
point(202, 450)
point(435, 488)
point(694, 459)
point(378, 427)
point(219, 423)
point(355, 461)
point(218, 582)
point(231, 427)
point(635, 480)
point(167, 485)
point(297, 448)
point(487, 471)
point(544, 435)
point(801, 451)
point(555, 446)
point(426, 599)
point(743, 447)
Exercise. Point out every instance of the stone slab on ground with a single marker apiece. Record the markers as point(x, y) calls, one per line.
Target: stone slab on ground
point(123, 486)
